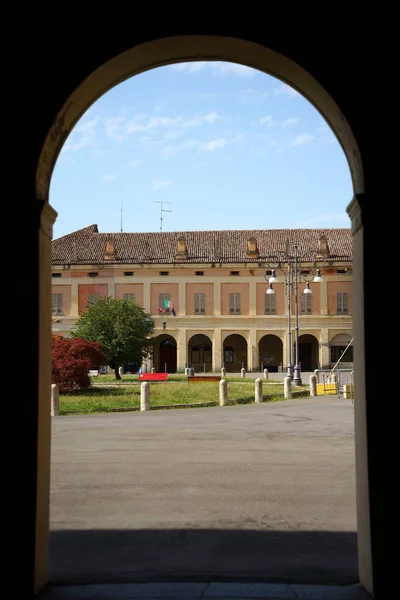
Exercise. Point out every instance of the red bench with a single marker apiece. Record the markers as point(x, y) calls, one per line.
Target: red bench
point(153, 377)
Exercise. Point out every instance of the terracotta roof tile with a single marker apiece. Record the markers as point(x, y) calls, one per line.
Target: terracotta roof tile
point(87, 246)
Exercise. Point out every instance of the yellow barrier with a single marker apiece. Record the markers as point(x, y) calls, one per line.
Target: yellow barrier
point(325, 389)
point(348, 391)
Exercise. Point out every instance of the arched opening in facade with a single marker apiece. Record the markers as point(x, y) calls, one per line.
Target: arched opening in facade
point(270, 353)
point(165, 353)
point(341, 351)
point(308, 352)
point(200, 353)
point(235, 353)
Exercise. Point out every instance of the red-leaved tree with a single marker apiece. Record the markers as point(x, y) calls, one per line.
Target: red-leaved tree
point(71, 361)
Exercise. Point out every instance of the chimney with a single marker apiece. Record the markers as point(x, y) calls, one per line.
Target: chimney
point(110, 253)
point(323, 248)
point(181, 252)
point(252, 250)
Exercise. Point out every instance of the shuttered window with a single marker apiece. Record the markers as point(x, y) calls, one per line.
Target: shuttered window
point(199, 304)
point(269, 304)
point(92, 297)
point(342, 303)
point(161, 300)
point(234, 304)
point(306, 304)
point(131, 297)
point(57, 304)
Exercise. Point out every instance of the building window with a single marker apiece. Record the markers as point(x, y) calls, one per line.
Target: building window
point(341, 271)
point(199, 272)
point(57, 304)
point(269, 304)
point(228, 354)
point(342, 303)
point(163, 301)
point(306, 304)
point(164, 272)
point(234, 272)
point(93, 274)
point(234, 304)
point(92, 297)
point(199, 304)
point(56, 274)
point(337, 351)
point(130, 297)
point(129, 273)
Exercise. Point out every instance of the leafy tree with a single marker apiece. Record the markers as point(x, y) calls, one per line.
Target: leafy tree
point(123, 329)
point(71, 361)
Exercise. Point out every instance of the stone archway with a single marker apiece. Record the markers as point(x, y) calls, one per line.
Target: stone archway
point(200, 353)
point(308, 352)
point(270, 352)
point(95, 82)
point(165, 354)
point(234, 353)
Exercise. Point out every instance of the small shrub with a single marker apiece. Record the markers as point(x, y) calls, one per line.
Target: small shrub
point(71, 361)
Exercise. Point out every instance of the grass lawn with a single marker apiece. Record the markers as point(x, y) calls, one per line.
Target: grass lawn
point(104, 399)
point(179, 377)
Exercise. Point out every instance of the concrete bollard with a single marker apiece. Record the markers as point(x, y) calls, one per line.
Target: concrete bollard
point(55, 400)
point(121, 371)
point(287, 387)
point(223, 372)
point(258, 390)
point(243, 372)
point(313, 385)
point(187, 371)
point(223, 392)
point(265, 373)
point(145, 396)
point(153, 370)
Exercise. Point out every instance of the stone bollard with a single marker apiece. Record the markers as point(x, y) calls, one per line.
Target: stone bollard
point(258, 390)
point(287, 387)
point(153, 370)
point(121, 371)
point(145, 396)
point(243, 372)
point(223, 372)
point(313, 385)
point(187, 371)
point(223, 392)
point(265, 373)
point(55, 401)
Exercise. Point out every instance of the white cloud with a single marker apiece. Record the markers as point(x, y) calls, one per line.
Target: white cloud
point(285, 90)
point(83, 135)
point(217, 68)
point(288, 122)
point(303, 138)
point(173, 149)
point(108, 177)
point(268, 120)
point(159, 184)
point(212, 145)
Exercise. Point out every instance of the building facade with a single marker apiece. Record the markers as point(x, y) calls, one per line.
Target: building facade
point(206, 292)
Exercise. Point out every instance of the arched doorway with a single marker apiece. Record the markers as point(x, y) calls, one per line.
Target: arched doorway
point(235, 353)
point(94, 80)
point(270, 352)
point(341, 350)
point(165, 354)
point(200, 353)
point(308, 353)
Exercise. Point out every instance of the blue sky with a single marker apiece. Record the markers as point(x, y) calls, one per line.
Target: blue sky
point(222, 145)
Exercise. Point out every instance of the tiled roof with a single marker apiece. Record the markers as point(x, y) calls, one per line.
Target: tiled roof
point(88, 246)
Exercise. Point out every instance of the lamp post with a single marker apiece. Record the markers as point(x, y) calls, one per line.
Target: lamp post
point(292, 275)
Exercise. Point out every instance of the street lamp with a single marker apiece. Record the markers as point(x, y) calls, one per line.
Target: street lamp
point(293, 262)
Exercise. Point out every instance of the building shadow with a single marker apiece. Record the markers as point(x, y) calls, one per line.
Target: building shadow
point(169, 555)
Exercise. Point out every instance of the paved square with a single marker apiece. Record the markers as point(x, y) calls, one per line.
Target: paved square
point(262, 492)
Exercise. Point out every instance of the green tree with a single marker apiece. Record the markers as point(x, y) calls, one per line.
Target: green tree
point(123, 329)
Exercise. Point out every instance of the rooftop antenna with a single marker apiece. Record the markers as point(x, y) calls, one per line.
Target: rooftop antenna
point(162, 209)
point(121, 215)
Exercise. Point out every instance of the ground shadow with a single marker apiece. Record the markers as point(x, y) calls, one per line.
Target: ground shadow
point(110, 556)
